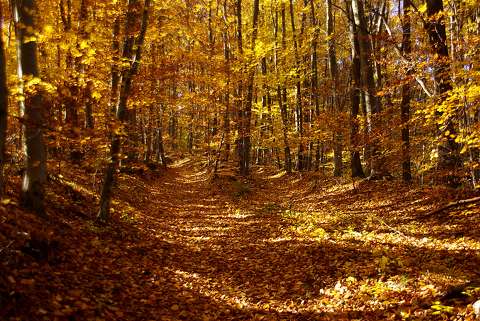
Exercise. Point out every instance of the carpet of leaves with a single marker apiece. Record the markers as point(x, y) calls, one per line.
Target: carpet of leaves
point(185, 246)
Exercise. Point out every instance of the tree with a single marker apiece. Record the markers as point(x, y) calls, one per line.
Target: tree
point(355, 95)
point(332, 64)
point(448, 149)
point(372, 105)
point(132, 51)
point(298, 86)
point(3, 106)
point(406, 93)
point(281, 90)
point(32, 108)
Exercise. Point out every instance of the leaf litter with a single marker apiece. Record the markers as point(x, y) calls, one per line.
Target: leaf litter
point(184, 246)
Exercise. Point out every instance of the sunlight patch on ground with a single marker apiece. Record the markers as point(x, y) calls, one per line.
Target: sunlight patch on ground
point(278, 175)
point(78, 187)
point(207, 229)
point(239, 214)
point(338, 188)
point(278, 239)
point(226, 293)
point(180, 163)
point(218, 291)
point(201, 206)
point(344, 295)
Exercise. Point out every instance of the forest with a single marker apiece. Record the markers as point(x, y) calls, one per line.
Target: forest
point(239, 160)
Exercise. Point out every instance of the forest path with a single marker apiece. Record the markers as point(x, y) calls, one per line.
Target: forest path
point(224, 248)
point(182, 246)
point(284, 247)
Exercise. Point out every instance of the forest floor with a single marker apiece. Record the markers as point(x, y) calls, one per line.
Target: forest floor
point(186, 246)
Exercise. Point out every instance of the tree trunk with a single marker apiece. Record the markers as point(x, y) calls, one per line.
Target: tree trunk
point(355, 94)
point(332, 63)
point(372, 106)
point(159, 147)
point(314, 79)
point(31, 110)
point(3, 106)
point(226, 53)
point(405, 104)
point(121, 109)
point(448, 150)
point(115, 71)
point(246, 121)
point(240, 142)
point(298, 86)
point(266, 125)
point(281, 91)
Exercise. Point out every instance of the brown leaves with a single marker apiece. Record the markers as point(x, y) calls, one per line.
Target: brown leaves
point(177, 251)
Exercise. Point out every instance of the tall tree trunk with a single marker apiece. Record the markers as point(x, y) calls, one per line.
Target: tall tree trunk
point(159, 146)
point(81, 67)
point(121, 110)
point(115, 71)
point(314, 65)
point(355, 94)
point(227, 54)
point(405, 104)
point(240, 111)
point(3, 106)
point(266, 128)
point(372, 106)
point(332, 63)
point(31, 110)
point(448, 150)
point(246, 139)
point(281, 91)
point(314, 80)
point(298, 86)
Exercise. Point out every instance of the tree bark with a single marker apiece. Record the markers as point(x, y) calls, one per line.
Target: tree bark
point(332, 63)
point(372, 106)
point(121, 110)
point(448, 150)
point(115, 71)
point(355, 97)
point(159, 148)
point(281, 91)
point(3, 106)
point(247, 115)
point(35, 175)
point(240, 142)
point(227, 57)
point(298, 86)
point(406, 95)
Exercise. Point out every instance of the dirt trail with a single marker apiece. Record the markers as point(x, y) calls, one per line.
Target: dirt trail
point(222, 257)
point(225, 257)
point(226, 253)
point(184, 247)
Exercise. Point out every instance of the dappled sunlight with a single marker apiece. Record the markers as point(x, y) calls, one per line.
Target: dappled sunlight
point(181, 162)
point(278, 248)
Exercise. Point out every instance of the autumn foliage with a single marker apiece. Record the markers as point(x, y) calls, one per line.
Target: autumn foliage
point(239, 159)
